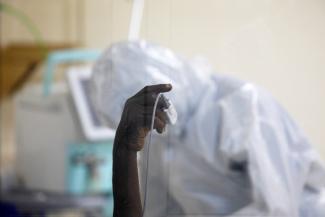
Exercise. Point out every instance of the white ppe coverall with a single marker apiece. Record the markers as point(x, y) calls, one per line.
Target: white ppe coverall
point(234, 150)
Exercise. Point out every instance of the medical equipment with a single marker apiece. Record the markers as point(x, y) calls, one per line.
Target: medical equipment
point(135, 19)
point(79, 84)
point(50, 138)
point(170, 111)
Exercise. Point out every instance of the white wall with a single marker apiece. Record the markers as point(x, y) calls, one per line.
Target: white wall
point(278, 44)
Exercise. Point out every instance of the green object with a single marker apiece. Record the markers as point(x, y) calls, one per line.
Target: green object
point(26, 22)
point(64, 56)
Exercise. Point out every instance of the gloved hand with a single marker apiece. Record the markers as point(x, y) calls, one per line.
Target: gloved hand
point(137, 116)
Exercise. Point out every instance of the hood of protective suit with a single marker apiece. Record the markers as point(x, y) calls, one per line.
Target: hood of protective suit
point(239, 153)
point(127, 67)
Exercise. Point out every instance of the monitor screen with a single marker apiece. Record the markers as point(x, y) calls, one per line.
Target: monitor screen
point(93, 128)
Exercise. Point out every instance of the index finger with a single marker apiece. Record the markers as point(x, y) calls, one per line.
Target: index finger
point(158, 88)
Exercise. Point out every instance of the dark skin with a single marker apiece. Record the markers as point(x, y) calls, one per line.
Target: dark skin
point(129, 139)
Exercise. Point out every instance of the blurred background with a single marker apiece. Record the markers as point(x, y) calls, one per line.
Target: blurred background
point(277, 44)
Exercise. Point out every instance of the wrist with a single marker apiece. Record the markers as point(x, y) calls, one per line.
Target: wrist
point(129, 134)
point(126, 138)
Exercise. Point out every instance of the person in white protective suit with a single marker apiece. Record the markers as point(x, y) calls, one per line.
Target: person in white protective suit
point(233, 152)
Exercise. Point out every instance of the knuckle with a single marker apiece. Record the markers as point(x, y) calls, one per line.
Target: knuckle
point(146, 89)
point(128, 102)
